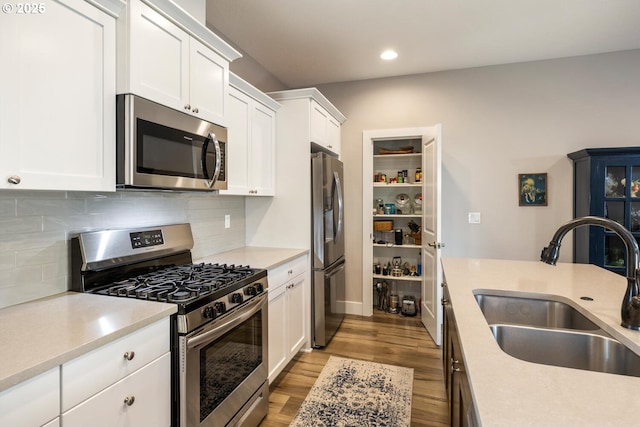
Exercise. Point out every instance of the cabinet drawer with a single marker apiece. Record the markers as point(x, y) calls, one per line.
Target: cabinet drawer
point(33, 402)
point(96, 370)
point(279, 275)
point(150, 389)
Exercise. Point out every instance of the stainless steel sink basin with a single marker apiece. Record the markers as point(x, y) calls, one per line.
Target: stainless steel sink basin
point(544, 313)
point(569, 349)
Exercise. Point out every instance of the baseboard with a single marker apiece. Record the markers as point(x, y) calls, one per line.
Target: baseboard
point(353, 307)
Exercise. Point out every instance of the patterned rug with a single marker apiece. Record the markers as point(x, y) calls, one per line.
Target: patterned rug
point(353, 393)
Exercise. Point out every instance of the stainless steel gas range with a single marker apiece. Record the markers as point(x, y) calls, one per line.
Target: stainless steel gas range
point(219, 334)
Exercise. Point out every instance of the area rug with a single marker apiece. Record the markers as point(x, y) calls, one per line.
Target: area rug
point(353, 393)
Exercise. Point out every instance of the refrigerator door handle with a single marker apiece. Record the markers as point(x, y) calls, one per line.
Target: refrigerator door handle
point(334, 270)
point(338, 189)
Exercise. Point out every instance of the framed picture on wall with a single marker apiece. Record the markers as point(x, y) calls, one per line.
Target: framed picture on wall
point(532, 189)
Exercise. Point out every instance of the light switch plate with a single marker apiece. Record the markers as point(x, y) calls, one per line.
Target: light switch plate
point(227, 221)
point(474, 217)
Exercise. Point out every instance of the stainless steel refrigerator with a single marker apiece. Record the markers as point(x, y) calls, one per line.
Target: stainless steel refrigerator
point(328, 279)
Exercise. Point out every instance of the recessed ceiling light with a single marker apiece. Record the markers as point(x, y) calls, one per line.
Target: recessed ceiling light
point(388, 55)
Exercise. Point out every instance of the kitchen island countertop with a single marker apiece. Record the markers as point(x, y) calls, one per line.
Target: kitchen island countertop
point(254, 256)
point(507, 391)
point(39, 335)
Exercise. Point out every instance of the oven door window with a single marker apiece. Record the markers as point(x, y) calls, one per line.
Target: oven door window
point(162, 150)
point(228, 361)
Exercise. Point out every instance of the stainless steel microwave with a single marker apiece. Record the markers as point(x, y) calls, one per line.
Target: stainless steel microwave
point(162, 148)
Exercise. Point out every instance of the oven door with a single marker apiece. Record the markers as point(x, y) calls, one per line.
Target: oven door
point(226, 367)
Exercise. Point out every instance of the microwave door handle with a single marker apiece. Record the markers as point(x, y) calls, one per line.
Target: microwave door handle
point(218, 167)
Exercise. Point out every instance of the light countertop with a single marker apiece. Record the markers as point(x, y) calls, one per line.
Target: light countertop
point(42, 334)
point(511, 392)
point(254, 256)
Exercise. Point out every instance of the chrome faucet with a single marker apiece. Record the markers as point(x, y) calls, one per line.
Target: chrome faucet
point(630, 310)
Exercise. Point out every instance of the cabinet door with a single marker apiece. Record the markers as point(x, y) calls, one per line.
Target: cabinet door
point(58, 99)
point(319, 118)
point(33, 402)
point(96, 370)
point(140, 399)
point(296, 312)
point(208, 84)
point(159, 58)
point(238, 148)
point(261, 154)
point(277, 331)
point(333, 135)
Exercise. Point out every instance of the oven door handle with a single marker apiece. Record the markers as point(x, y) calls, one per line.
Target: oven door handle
point(214, 331)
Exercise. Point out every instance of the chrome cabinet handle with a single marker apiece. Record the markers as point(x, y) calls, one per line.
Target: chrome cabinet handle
point(129, 355)
point(129, 400)
point(195, 110)
point(187, 107)
point(14, 179)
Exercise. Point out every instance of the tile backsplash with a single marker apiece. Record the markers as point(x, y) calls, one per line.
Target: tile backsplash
point(35, 228)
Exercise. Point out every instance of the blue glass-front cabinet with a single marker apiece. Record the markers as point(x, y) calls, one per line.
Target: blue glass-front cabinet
point(606, 184)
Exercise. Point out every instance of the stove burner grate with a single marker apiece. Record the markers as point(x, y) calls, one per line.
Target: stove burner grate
point(178, 283)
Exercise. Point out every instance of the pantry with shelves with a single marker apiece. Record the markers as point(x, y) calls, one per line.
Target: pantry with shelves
point(400, 247)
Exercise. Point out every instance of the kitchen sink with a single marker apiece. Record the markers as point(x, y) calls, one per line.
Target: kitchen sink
point(545, 313)
point(570, 349)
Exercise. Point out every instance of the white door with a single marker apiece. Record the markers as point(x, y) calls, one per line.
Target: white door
point(431, 239)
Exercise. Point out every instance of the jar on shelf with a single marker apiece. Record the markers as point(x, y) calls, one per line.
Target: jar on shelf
point(378, 205)
point(418, 174)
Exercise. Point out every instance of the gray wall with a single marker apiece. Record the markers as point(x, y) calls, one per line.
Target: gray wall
point(35, 228)
point(497, 122)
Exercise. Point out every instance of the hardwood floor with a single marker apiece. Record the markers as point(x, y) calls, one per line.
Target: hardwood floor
point(384, 338)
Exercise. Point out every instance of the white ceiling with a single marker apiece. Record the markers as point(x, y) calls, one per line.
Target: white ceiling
point(311, 42)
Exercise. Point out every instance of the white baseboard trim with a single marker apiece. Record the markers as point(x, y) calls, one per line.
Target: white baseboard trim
point(353, 307)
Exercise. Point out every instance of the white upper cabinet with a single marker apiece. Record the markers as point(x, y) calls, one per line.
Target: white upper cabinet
point(325, 130)
point(174, 61)
point(58, 86)
point(324, 119)
point(251, 134)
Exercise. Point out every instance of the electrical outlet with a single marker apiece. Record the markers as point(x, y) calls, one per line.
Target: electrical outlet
point(227, 221)
point(474, 217)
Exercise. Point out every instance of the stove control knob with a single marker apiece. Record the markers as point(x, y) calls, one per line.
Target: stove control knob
point(236, 298)
point(221, 307)
point(251, 290)
point(209, 313)
point(259, 287)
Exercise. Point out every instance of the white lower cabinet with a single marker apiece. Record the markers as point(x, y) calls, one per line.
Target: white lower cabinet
point(34, 402)
point(288, 310)
point(140, 399)
point(100, 368)
point(126, 383)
